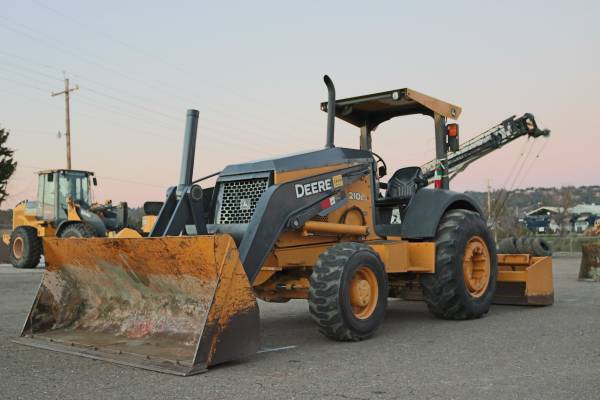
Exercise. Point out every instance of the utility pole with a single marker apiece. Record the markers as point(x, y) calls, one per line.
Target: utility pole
point(66, 92)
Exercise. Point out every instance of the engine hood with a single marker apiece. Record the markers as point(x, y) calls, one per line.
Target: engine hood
point(292, 162)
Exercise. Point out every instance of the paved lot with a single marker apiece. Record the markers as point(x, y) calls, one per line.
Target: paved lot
point(512, 353)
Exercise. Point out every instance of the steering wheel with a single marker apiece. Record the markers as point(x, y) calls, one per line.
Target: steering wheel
point(383, 168)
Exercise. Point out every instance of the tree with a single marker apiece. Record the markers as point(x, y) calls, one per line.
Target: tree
point(504, 219)
point(7, 164)
point(565, 201)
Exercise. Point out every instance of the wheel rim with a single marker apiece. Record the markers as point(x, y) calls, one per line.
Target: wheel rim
point(364, 293)
point(18, 246)
point(476, 266)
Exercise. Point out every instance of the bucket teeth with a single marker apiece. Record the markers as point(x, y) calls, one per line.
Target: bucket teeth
point(174, 304)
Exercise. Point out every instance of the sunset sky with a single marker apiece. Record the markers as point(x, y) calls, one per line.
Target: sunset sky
point(254, 70)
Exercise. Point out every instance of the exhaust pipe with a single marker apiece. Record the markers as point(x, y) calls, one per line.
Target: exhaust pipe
point(189, 148)
point(330, 111)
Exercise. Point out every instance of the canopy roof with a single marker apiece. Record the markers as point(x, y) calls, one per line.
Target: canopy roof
point(373, 109)
point(49, 171)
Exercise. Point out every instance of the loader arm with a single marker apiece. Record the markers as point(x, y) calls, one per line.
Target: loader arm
point(280, 208)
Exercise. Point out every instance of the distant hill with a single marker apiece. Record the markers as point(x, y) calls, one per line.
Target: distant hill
point(523, 200)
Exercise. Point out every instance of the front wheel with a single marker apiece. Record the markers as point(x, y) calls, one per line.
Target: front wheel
point(77, 230)
point(25, 247)
point(466, 267)
point(348, 292)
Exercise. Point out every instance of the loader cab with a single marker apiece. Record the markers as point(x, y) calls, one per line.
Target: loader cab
point(395, 189)
point(55, 187)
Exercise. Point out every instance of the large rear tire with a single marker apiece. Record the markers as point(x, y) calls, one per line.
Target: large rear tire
point(348, 292)
point(77, 230)
point(541, 248)
point(25, 247)
point(508, 245)
point(466, 267)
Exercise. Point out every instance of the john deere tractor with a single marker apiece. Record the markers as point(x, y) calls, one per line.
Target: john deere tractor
point(326, 225)
point(63, 208)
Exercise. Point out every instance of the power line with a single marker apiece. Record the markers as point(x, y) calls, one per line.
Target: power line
point(110, 178)
point(508, 192)
point(167, 88)
point(152, 56)
point(153, 113)
point(209, 130)
point(533, 161)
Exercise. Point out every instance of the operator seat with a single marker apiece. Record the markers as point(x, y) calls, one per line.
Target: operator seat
point(401, 188)
point(403, 185)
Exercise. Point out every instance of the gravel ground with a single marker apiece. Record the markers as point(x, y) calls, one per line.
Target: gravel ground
point(512, 353)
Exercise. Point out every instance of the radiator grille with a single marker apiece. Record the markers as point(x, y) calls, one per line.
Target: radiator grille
point(239, 199)
point(320, 218)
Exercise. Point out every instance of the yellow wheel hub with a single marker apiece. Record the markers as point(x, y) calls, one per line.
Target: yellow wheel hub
point(18, 246)
point(364, 293)
point(476, 266)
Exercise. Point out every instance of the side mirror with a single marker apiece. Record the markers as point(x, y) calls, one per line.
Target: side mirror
point(50, 177)
point(95, 181)
point(382, 171)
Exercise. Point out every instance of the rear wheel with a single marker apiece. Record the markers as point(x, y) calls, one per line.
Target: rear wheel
point(25, 247)
point(466, 267)
point(77, 230)
point(348, 292)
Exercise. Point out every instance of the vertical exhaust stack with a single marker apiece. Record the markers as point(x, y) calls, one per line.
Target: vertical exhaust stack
point(183, 206)
point(330, 111)
point(189, 148)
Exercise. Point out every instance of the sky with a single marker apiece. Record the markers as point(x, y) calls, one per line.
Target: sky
point(254, 70)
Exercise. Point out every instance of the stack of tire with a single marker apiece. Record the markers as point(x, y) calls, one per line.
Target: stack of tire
point(534, 246)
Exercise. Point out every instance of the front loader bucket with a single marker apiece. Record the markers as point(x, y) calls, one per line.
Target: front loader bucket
point(524, 280)
point(174, 304)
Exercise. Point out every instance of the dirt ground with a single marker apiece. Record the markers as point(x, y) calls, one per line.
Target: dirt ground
point(512, 353)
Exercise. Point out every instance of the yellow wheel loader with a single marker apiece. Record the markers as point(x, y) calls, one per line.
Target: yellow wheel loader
point(64, 208)
point(322, 225)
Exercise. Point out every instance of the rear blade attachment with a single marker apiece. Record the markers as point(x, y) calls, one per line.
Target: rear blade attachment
point(524, 280)
point(170, 304)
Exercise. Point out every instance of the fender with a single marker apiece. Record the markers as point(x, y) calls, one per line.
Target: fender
point(87, 217)
point(426, 209)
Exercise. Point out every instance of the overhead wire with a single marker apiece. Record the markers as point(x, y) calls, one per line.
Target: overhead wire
point(154, 57)
point(533, 162)
point(499, 206)
point(152, 113)
point(224, 139)
point(173, 93)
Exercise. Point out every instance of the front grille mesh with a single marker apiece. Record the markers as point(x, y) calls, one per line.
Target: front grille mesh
point(320, 218)
point(239, 199)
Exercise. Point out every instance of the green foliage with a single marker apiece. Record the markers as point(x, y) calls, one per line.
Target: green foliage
point(7, 164)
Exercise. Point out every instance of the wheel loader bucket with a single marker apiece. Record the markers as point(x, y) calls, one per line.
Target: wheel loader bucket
point(524, 280)
point(172, 304)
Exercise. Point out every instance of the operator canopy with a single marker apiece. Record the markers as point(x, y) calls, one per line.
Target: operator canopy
point(373, 109)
